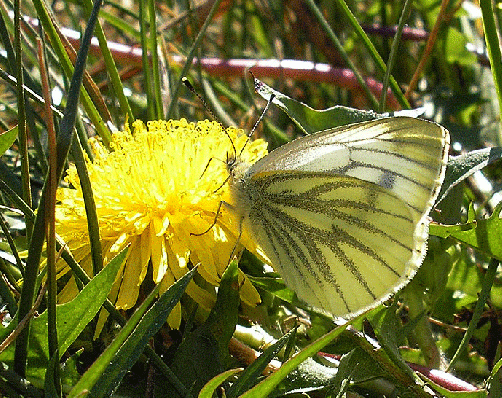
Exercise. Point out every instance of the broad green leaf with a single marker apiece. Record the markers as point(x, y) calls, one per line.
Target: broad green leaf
point(72, 320)
point(275, 286)
point(484, 235)
point(198, 347)
point(387, 329)
point(345, 374)
point(467, 278)
point(69, 370)
point(310, 120)
point(461, 167)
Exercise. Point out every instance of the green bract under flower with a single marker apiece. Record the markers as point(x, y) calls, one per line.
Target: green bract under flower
point(158, 186)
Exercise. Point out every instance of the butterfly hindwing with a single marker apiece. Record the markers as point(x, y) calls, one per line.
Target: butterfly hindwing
point(339, 242)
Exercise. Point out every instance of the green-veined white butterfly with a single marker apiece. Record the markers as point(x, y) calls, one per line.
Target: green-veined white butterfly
point(342, 214)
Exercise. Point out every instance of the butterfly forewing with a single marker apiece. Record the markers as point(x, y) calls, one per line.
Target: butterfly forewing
point(341, 214)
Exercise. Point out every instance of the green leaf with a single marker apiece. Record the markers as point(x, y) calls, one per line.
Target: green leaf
point(69, 370)
point(465, 277)
point(461, 167)
point(310, 120)
point(349, 363)
point(484, 235)
point(7, 139)
point(275, 286)
point(387, 330)
point(105, 374)
point(72, 317)
point(433, 274)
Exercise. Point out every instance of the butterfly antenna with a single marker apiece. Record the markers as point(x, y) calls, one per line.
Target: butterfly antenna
point(270, 100)
point(188, 85)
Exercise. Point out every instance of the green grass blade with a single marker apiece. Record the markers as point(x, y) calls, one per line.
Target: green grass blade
point(111, 68)
point(38, 237)
point(493, 47)
point(478, 311)
point(72, 318)
point(52, 33)
point(103, 377)
point(331, 34)
point(374, 53)
point(190, 57)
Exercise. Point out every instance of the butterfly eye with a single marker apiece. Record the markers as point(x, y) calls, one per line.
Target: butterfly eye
point(231, 161)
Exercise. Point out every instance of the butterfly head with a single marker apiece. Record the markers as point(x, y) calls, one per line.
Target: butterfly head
point(236, 168)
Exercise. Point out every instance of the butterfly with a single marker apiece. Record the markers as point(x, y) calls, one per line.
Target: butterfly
point(342, 214)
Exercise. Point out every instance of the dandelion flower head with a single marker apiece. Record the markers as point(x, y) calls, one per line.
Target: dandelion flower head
point(160, 184)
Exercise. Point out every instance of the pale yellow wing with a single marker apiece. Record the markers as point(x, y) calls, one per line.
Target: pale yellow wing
point(342, 244)
point(342, 214)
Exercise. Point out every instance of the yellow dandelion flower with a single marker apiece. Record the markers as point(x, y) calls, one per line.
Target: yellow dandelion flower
point(160, 184)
